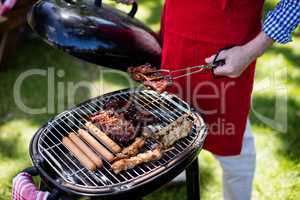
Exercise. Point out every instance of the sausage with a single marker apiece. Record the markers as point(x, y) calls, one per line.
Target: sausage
point(86, 149)
point(83, 159)
point(103, 137)
point(96, 145)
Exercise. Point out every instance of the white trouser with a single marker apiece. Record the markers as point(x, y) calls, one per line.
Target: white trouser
point(238, 171)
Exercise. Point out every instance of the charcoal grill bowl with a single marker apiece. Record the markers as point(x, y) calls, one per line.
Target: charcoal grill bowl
point(144, 186)
point(95, 32)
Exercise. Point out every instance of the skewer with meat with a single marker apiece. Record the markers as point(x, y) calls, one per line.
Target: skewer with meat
point(167, 136)
point(129, 163)
point(132, 149)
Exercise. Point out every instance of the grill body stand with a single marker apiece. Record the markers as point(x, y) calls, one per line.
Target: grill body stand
point(193, 181)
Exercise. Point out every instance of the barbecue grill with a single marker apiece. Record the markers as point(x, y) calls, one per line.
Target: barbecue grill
point(96, 27)
point(64, 174)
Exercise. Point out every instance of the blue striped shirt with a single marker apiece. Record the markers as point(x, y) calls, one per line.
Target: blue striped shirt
point(282, 21)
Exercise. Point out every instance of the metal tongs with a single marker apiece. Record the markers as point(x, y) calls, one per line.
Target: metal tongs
point(170, 75)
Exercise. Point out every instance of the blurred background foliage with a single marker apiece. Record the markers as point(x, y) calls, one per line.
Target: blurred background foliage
point(278, 154)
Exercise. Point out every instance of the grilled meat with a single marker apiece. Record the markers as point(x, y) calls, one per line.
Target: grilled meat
point(132, 149)
point(159, 85)
point(115, 125)
point(115, 104)
point(150, 78)
point(137, 72)
point(129, 163)
point(131, 111)
point(138, 116)
point(169, 134)
point(122, 120)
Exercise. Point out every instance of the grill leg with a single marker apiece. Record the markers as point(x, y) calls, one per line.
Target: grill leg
point(43, 186)
point(193, 181)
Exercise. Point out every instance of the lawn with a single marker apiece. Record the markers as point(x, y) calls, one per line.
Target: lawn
point(278, 147)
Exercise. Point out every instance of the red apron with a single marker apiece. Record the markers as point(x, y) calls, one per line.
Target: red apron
point(194, 30)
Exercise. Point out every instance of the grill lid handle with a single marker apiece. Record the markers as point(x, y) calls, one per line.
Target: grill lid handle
point(132, 12)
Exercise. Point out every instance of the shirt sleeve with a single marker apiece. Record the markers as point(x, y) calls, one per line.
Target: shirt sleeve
point(282, 21)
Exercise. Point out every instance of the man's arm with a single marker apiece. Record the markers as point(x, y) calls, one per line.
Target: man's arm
point(278, 26)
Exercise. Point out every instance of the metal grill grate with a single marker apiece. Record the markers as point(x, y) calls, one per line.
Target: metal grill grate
point(163, 106)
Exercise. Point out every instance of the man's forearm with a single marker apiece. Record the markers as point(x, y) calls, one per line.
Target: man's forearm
point(238, 58)
point(258, 45)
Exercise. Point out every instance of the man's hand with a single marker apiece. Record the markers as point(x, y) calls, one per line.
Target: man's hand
point(236, 61)
point(125, 1)
point(238, 58)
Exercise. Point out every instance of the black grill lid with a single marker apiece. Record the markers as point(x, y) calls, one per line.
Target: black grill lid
point(95, 32)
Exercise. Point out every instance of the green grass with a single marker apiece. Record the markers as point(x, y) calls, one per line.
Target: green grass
point(278, 154)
